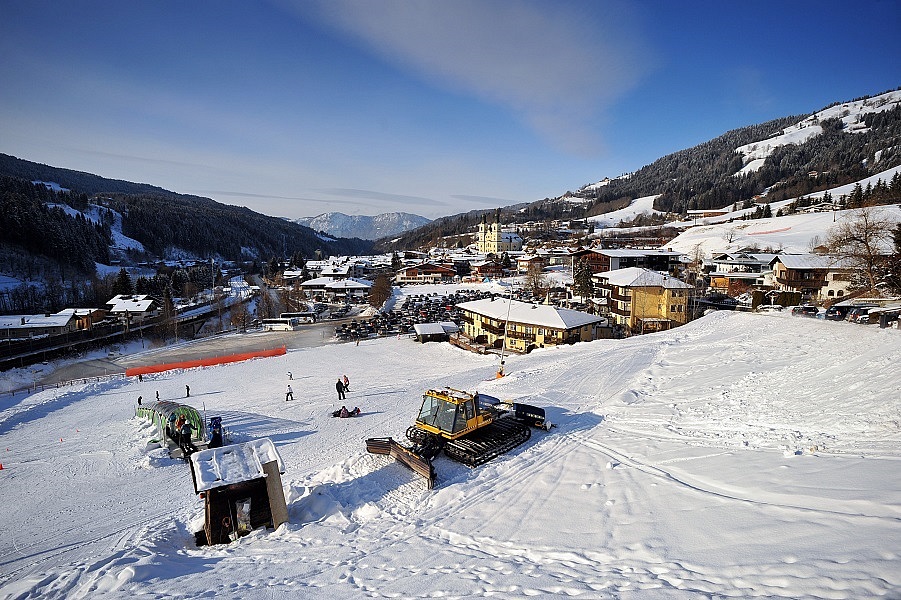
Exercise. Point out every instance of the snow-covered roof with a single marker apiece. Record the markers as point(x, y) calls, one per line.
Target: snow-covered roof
point(429, 329)
point(638, 277)
point(34, 321)
point(216, 467)
point(807, 261)
point(542, 315)
point(132, 306)
point(349, 284)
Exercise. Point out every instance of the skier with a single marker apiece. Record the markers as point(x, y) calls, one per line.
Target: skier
point(289, 395)
point(340, 387)
point(187, 391)
point(290, 377)
point(187, 447)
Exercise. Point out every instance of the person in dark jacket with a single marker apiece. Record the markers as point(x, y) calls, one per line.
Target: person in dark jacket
point(187, 446)
point(340, 387)
point(216, 438)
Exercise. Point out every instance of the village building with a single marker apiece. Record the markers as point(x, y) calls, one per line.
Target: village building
point(814, 276)
point(734, 273)
point(133, 308)
point(85, 318)
point(14, 327)
point(493, 240)
point(643, 301)
point(521, 327)
point(326, 289)
point(425, 272)
point(612, 259)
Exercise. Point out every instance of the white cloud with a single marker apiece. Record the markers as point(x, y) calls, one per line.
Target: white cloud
point(556, 67)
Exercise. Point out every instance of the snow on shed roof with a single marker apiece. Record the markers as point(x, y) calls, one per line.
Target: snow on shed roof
point(217, 467)
point(542, 315)
point(638, 277)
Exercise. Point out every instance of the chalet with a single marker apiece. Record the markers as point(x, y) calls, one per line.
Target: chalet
point(85, 318)
point(733, 273)
point(642, 301)
point(425, 272)
point(328, 289)
point(486, 268)
point(803, 273)
point(133, 308)
point(613, 259)
point(521, 327)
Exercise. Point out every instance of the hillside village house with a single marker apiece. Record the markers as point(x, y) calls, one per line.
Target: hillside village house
point(612, 259)
point(528, 326)
point(733, 273)
point(85, 318)
point(134, 308)
point(815, 277)
point(13, 327)
point(425, 272)
point(530, 263)
point(486, 268)
point(642, 301)
point(327, 289)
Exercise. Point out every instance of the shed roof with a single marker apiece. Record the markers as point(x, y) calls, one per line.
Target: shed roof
point(217, 467)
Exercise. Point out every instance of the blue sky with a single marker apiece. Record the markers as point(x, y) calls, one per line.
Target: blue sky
point(295, 108)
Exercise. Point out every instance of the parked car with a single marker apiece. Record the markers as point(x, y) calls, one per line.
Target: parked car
point(860, 314)
point(836, 313)
point(805, 311)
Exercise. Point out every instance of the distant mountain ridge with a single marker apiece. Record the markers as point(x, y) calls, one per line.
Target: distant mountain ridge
point(362, 226)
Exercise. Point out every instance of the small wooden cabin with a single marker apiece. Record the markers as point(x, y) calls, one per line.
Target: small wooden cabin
point(242, 490)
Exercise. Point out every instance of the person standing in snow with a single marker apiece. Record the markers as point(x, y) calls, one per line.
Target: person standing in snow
point(290, 376)
point(170, 427)
point(289, 395)
point(346, 384)
point(187, 391)
point(187, 446)
point(340, 387)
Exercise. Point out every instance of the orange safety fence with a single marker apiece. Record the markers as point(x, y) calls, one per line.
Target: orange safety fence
point(205, 362)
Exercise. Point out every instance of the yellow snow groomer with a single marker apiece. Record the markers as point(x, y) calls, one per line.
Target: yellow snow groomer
point(470, 428)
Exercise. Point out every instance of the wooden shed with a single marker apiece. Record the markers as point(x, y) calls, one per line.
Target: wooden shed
point(242, 490)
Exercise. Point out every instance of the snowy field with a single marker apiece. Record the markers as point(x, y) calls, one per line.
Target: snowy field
point(742, 455)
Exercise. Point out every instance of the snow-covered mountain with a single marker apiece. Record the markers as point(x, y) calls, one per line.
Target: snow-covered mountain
point(362, 226)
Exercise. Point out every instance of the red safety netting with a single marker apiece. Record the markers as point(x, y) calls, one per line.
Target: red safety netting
point(205, 362)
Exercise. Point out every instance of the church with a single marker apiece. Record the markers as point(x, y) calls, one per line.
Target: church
point(494, 241)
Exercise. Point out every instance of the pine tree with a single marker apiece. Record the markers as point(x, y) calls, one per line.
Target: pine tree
point(123, 284)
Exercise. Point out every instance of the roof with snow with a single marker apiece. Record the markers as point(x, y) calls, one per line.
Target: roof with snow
point(131, 304)
point(350, 283)
point(638, 277)
point(236, 463)
point(807, 261)
point(34, 321)
point(542, 315)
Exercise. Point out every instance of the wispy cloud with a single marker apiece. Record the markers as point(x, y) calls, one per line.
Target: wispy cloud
point(381, 196)
point(559, 66)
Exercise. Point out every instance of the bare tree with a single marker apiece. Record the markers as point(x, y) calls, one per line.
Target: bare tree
point(862, 240)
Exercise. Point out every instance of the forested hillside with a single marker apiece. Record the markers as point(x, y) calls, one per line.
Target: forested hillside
point(166, 223)
point(706, 176)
